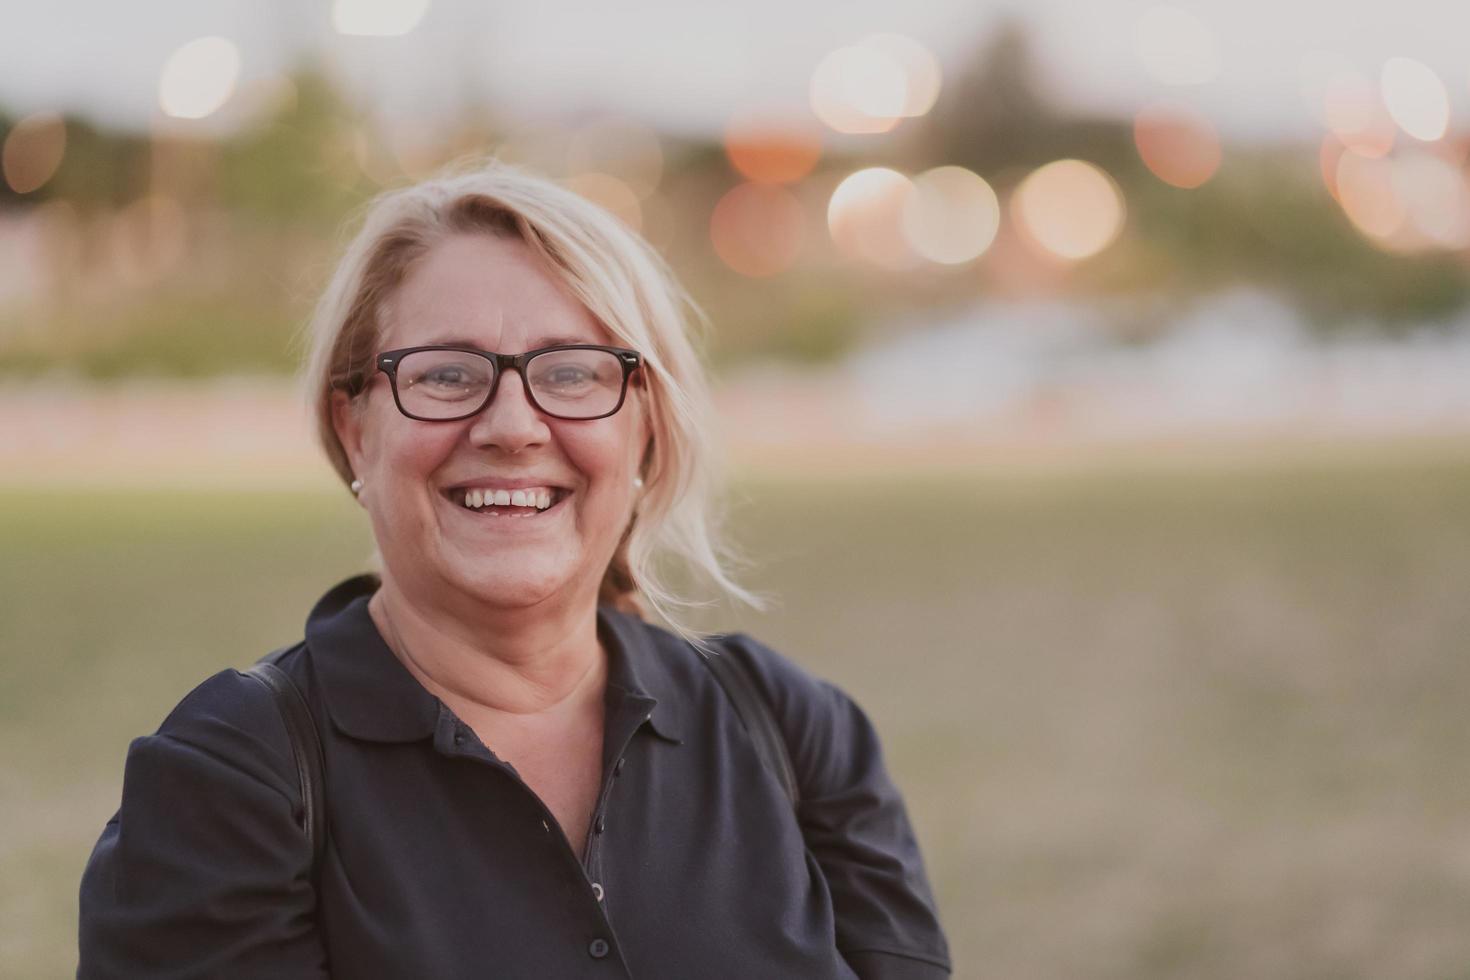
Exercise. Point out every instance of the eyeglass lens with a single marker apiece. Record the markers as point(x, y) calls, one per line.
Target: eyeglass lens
point(444, 384)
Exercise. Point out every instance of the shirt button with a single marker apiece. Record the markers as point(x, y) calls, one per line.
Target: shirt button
point(618, 769)
point(600, 825)
point(597, 890)
point(597, 948)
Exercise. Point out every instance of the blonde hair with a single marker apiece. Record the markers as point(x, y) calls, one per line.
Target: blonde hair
point(624, 284)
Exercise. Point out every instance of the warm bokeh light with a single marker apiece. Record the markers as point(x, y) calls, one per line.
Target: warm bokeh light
point(199, 77)
point(1328, 154)
point(952, 215)
point(1176, 47)
point(1435, 198)
point(620, 147)
point(33, 151)
point(772, 147)
point(611, 193)
point(859, 89)
point(757, 229)
point(922, 76)
point(1070, 208)
point(1367, 194)
point(1178, 144)
point(1355, 114)
point(1415, 98)
point(865, 217)
point(377, 18)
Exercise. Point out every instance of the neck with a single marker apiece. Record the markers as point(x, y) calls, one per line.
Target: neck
point(523, 663)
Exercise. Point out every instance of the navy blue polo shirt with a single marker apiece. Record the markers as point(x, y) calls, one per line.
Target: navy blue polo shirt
point(442, 862)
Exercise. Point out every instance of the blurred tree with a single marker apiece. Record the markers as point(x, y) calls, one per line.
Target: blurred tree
point(300, 165)
point(100, 168)
point(996, 115)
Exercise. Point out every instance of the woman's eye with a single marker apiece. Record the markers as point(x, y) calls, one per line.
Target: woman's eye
point(448, 376)
point(567, 376)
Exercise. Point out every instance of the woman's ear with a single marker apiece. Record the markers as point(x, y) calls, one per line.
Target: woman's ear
point(348, 426)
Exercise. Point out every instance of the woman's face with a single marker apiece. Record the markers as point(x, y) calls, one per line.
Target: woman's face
point(493, 294)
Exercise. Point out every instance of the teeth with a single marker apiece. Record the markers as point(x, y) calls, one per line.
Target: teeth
point(537, 499)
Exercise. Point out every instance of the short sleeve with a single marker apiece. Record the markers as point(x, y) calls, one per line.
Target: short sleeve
point(204, 871)
point(855, 824)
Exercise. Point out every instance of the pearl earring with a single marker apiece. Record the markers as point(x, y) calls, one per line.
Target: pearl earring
point(637, 483)
point(356, 487)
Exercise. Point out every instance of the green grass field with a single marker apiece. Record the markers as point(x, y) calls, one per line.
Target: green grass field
point(1205, 724)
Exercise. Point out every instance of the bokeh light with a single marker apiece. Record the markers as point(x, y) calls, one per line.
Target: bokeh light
point(865, 217)
point(922, 75)
point(1328, 154)
point(610, 192)
point(33, 151)
point(1367, 194)
point(1355, 114)
point(772, 147)
point(952, 215)
point(199, 77)
point(1178, 144)
point(1176, 47)
point(1415, 98)
point(377, 18)
point(1070, 208)
point(758, 229)
point(623, 148)
point(1434, 197)
point(859, 89)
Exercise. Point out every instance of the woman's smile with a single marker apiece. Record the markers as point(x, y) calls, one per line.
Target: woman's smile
point(531, 506)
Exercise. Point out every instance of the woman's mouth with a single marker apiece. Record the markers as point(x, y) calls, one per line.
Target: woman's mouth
point(522, 502)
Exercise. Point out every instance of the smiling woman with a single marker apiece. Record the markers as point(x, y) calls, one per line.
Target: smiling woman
point(518, 767)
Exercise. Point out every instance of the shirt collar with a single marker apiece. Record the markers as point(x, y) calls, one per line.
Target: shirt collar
point(371, 695)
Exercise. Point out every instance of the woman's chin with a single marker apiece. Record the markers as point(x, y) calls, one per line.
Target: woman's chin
point(516, 586)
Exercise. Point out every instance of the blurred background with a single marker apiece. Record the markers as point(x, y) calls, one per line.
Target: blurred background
point(1095, 382)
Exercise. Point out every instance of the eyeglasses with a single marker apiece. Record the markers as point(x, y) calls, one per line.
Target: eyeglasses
point(570, 381)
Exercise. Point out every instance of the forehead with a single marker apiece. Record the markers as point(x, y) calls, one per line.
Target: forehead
point(487, 292)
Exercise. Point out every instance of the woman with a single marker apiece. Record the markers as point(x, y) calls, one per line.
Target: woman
point(523, 777)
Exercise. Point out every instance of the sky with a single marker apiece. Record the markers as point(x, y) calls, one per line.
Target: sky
point(686, 65)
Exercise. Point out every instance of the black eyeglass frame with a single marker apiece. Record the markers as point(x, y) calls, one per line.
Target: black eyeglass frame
point(389, 360)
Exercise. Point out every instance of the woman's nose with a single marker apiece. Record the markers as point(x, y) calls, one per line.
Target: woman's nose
point(510, 422)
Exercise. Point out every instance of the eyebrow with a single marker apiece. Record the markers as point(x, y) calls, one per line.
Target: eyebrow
point(536, 344)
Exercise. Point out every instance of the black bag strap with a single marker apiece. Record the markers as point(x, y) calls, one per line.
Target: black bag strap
point(306, 750)
point(755, 711)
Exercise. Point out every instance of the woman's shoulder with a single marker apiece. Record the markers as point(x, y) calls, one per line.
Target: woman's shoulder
point(780, 677)
point(822, 724)
point(232, 719)
point(205, 840)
